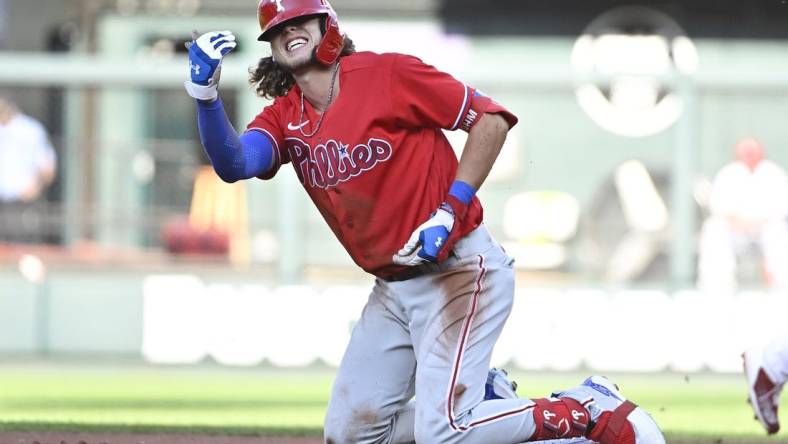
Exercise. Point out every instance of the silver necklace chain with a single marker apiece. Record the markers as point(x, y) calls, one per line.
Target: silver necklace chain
point(320, 120)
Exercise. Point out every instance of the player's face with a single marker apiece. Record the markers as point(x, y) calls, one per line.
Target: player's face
point(293, 46)
point(749, 152)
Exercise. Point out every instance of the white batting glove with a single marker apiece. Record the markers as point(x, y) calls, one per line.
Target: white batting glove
point(205, 59)
point(428, 239)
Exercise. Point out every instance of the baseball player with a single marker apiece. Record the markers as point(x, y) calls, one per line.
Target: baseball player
point(363, 134)
point(747, 207)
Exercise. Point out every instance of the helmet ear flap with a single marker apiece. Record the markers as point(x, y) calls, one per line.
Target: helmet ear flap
point(333, 41)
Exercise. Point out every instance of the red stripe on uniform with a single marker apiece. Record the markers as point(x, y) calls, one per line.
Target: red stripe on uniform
point(458, 363)
point(466, 328)
point(463, 109)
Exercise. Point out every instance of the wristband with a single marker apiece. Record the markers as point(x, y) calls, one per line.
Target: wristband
point(463, 191)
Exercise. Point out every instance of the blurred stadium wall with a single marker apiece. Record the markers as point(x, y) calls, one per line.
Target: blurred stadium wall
point(105, 78)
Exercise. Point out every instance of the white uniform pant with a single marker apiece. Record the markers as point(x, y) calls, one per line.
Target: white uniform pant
point(720, 245)
point(431, 336)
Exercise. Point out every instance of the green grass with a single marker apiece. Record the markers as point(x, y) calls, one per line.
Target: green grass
point(209, 399)
point(145, 398)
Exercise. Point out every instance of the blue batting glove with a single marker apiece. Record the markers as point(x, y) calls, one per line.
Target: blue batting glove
point(428, 239)
point(205, 59)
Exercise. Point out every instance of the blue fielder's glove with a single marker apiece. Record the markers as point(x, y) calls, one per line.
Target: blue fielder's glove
point(205, 59)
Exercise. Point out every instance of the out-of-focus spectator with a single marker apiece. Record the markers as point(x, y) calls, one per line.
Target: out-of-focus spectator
point(748, 207)
point(27, 166)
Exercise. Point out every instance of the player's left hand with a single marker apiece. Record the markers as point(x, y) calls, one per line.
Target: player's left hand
point(205, 58)
point(427, 241)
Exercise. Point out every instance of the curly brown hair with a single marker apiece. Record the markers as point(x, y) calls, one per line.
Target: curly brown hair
point(270, 80)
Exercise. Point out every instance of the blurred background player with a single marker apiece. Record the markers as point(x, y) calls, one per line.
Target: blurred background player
point(748, 207)
point(363, 133)
point(766, 370)
point(27, 166)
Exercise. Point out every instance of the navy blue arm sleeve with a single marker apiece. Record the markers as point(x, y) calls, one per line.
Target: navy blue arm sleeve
point(233, 157)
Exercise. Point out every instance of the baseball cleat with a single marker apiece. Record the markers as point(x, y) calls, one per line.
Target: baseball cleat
point(498, 385)
point(764, 394)
point(615, 420)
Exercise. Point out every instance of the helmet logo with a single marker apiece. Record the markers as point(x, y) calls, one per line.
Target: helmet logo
point(279, 7)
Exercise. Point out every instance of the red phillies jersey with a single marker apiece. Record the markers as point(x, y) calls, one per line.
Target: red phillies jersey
point(379, 164)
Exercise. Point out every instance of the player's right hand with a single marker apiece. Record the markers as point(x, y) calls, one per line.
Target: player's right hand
point(427, 241)
point(205, 58)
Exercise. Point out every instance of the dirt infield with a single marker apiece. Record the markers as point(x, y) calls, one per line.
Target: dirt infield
point(120, 438)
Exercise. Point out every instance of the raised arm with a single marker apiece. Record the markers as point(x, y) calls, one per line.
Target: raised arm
point(233, 157)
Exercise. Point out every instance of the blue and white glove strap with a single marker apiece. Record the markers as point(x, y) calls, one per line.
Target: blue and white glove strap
point(207, 93)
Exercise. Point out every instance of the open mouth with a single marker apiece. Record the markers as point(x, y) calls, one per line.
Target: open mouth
point(296, 43)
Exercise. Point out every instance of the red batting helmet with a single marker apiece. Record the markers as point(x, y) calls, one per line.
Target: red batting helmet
point(271, 13)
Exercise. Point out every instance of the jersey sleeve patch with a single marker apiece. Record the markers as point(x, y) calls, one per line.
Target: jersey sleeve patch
point(477, 105)
point(480, 104)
